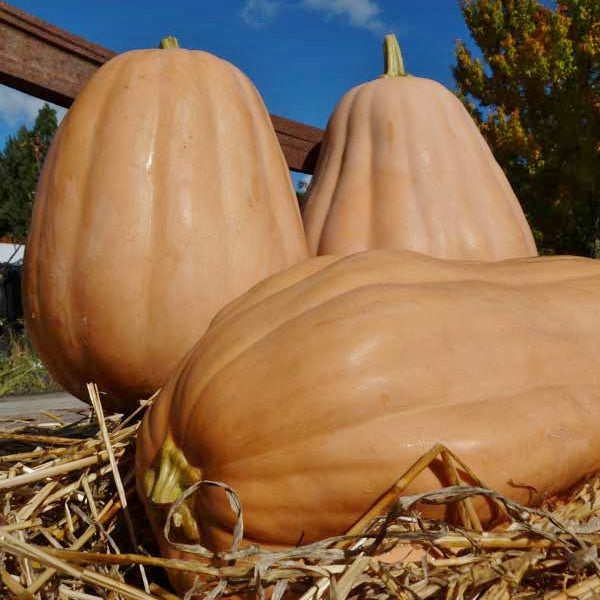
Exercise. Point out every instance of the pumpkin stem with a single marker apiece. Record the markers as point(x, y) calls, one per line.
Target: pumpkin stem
point(167, 478)
point(394, 65)
point(169, 42)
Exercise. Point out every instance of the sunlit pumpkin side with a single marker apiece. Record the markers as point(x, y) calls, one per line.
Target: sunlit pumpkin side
point(403, 166)
point(316, 390)
point(154, 209)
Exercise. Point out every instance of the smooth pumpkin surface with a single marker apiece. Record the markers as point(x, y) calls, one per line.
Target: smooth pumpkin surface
point(403, 166)
point(154, 209)
point(314, 392)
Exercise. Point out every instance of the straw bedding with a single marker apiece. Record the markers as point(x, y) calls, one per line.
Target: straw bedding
point(71, 526)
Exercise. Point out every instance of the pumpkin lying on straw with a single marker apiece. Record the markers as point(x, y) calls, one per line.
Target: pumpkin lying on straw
point(311, 395)
point(64, 534)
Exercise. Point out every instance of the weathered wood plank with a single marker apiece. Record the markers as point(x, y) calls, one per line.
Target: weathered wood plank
point(42, 60)
point(300, 143)
point(52, 64)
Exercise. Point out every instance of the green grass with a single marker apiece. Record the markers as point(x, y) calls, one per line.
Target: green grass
point(21, 370)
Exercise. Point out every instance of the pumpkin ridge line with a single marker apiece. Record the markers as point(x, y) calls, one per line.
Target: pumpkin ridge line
point(258, 135)
point(287, 444)
point(420, 209)
point(221, 211)
point(372, 156)
point(336, 203)
point(469, 229)
point(85, 348)
point(317, 280)
point(153, 231)
point(449, 286)
point(320, 194)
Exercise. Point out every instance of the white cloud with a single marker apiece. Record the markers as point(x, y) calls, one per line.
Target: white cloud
point(18, 109)
point(364, 14)
point(361, 13)
point(259, 12)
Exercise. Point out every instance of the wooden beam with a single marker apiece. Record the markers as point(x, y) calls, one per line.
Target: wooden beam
point(300, 143)
point(52, 64)
point(42, 60)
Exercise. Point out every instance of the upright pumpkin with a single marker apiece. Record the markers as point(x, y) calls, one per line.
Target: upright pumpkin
point(314, 392)
point(165, 195)
point(403, 166)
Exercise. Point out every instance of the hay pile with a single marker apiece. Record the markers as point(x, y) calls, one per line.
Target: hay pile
point(71, 526)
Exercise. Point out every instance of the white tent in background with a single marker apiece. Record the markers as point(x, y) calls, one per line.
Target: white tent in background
point(12, 253)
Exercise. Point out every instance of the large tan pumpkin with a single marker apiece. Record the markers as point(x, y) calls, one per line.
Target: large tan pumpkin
point(403, 166)
point(164, 196)
point(315, 391)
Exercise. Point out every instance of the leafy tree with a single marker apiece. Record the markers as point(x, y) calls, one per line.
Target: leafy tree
point(20, 165)
point(535, 94)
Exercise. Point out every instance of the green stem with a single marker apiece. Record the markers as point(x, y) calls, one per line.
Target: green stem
point(394, 65)
point(169, 42)
point(170, 474)
point(167, 478)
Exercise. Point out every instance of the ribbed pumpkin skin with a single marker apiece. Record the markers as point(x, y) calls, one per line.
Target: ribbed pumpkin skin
point(403, 166)
point(155, 208)
point(315, 391)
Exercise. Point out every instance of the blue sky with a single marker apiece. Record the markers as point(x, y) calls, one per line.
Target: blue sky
point(302, 55)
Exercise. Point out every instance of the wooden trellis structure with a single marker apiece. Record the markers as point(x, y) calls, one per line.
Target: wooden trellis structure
point(52, 64)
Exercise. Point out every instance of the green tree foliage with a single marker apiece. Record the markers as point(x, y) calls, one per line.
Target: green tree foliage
point(20, 165)
point(535, 94)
